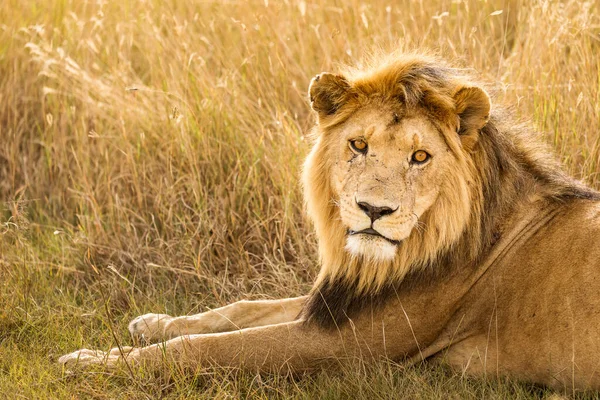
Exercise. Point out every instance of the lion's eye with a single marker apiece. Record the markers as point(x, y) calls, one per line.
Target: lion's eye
point(359, 145)
point(420, 156)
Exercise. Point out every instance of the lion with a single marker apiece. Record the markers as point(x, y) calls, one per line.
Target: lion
point(446, 233)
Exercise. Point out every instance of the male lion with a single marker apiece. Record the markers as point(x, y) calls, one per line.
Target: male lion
point(446, 232)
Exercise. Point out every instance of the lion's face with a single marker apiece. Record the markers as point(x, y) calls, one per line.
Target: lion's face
point(391, 177)
point(386, 176)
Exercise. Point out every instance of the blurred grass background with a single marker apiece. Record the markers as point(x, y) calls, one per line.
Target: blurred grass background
point(150, 155)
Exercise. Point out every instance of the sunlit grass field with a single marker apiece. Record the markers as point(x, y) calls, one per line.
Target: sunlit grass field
point(150, 155)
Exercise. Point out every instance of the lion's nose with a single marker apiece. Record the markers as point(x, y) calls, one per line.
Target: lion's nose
point(374, 212)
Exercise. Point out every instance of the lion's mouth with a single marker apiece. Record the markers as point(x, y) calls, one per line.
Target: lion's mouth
point(373, 232)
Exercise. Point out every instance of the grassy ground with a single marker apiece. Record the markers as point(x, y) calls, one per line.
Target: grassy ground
point(149, 162)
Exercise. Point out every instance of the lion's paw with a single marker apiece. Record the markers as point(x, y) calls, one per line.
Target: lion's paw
point(150, 328)
point(83, 357)
point(87, 357)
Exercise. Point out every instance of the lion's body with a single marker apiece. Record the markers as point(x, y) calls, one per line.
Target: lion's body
point(530, 309)
point(444, 233)
point(535, 313)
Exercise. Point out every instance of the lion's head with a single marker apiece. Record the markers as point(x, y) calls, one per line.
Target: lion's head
point(390, 180)
point(410, 175)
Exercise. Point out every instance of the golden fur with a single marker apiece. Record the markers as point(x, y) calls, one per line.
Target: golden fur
point(472, 196)
point(462, 257)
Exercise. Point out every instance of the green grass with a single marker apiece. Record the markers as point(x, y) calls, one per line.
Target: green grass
point(150, 156)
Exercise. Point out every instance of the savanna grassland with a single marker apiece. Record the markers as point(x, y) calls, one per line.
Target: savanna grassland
point(150, 155)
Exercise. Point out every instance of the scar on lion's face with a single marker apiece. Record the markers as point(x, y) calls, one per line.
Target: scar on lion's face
point(385, 188)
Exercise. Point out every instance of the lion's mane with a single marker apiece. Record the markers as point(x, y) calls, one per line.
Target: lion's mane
point(462, 225)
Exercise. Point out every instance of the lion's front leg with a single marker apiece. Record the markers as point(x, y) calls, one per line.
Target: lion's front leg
point(294, 346)
point(303, 345)
point(239, 315)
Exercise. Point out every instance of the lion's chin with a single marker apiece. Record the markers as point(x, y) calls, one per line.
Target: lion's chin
point(371, 247)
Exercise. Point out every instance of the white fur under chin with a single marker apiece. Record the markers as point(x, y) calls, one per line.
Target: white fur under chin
point(374, 248)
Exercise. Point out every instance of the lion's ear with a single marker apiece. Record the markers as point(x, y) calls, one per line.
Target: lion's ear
point(473, 108)
point(327, 93)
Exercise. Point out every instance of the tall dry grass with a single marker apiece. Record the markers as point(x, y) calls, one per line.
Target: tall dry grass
point(150, 150)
